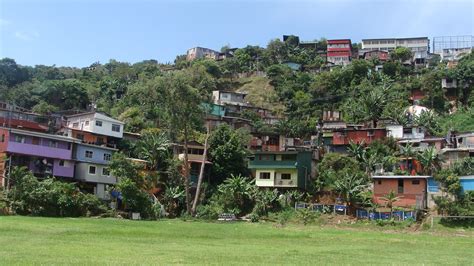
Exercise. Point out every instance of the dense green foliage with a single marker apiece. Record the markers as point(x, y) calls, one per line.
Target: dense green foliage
point(49, 197)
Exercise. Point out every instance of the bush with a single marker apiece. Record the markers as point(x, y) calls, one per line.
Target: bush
point(284, 217)
point(49, 197)
point(254, 217)
point(307, 216)
point(134, 198)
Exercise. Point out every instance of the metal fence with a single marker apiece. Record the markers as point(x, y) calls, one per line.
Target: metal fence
point(396, 215)
point(323, 208)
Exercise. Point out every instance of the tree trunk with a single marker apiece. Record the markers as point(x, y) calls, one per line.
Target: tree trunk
point(201, 175)
point(186, 170)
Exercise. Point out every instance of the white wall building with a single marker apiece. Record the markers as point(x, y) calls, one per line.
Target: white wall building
point(420, 46)
point(228, 97)
point(97, 123)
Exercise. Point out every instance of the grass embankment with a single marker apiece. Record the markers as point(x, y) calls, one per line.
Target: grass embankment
point(27, 240)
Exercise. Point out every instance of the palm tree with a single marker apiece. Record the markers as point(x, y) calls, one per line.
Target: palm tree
point(390, 199)
point(429, 160)
point(350, 186)
point(153, 147)
point(374, 102)
point(407, 152)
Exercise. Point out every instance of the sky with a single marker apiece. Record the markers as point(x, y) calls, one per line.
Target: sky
point(81, 32)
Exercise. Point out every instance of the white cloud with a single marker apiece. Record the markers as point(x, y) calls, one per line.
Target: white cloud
point(26, 36)
point(4, 22)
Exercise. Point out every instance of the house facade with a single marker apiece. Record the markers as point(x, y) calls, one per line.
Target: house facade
point(229, 97)
point(420, 46)
point(195, 155)
point(92, 168)
point(44, 154)
point(96, 123)
point(339, 52)
point(288, 169)
point(201, 52)
point(411, 190)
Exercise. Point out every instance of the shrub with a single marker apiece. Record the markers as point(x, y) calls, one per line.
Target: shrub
point(307, 216)
point(134, 198)
point(254, 217)
point(284, 217)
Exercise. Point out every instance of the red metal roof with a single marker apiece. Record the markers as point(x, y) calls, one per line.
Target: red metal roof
point(22, 124)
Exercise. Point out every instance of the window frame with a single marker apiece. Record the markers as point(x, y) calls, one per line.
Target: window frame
point(286, 174)
point(98, 123)
point(89, 152)
point(105, 169)
point(107, 155)
point(265, 173)
point(115, 126)
point(95, 169)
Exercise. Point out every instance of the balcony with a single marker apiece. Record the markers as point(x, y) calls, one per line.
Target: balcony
point(39, 150)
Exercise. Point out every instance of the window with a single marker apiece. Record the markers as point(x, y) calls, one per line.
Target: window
point(87, 123)
point(75, 125)
point(107, 156)
point(80, 136)
point(35, 141)
point(89, 154)
point(105, 171)
point(379, 182)
point(264, 175)
point(415, 182)
point(100, 140)
point(20, 139)
point(98, 123)
point(61, 163)
point(52, 143)
point(115, 128)
point(370, 133)
point(92, 169)
point(288, 157)
point(400, 186)
point(3, 138)
point(285, 176)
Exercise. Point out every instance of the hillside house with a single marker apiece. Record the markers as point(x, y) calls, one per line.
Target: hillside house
point(195, 154)
point(339, 52)
point(412, 190)
point(44, 154)
point(281, 169)
point(96, 123)
point(201, 52)
point(92, 168)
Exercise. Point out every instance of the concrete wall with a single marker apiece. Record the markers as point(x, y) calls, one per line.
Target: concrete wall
point(97, 153)
point(275, 178)
point(82, 174)
point(88, 122)
point(409, 195)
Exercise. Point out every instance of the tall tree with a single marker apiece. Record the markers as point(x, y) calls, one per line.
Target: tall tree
point(185, 114)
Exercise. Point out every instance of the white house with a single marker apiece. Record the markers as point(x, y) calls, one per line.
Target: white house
point(97, 123)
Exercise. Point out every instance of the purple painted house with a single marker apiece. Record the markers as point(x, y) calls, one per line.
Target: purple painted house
point(44, 154)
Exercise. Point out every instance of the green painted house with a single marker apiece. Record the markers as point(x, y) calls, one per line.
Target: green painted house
point(281, 169)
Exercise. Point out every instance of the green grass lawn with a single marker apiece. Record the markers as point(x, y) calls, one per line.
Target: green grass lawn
point(28, 240)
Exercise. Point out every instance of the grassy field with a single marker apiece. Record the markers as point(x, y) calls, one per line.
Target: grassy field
point(28, 240)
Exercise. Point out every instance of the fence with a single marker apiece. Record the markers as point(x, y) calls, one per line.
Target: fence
point(323, 208)
point(396, 215)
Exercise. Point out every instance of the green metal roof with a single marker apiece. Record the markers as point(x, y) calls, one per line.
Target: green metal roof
point(271, 166)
